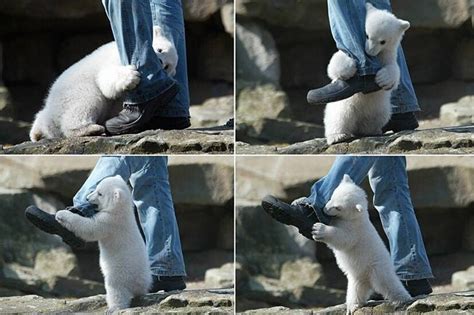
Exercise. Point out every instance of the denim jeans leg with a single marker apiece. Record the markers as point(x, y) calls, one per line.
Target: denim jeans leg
point(152, 197)
point(347, 22)
point(168, 15)
point(106, 166)
point(132, 27)
point(389, 182)
point(357, 167)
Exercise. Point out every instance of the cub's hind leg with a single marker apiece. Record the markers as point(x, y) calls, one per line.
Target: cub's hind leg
point(341, 67)
point(87, 130)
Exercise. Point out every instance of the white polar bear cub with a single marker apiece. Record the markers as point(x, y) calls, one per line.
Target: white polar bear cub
point(90, 91)
point(366, 114)
point(359, 250)
point(123, 257)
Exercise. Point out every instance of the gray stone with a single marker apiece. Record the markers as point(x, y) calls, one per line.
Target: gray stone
point(259, 237)
point(201, 10)
point(460, 113)
point(208, 182)
point(263, 101)
point(256, 53)
point(312, 14)
point(303, 272)
point(191, 141)
point(20, 240)
point(434, 14)
point(463, 280)
point(228, 18)
point(213, 112)
point(62, 176)
point(56, 262)
point(186, 302)
point(450, 140)
point(6, 109)
point(278, 131)
point(222, 277)
point(308, 14)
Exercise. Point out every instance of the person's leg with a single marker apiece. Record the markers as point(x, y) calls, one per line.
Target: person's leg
point(168, 15)
point(152, 197)
point(357, 167)
point(347, 22)
point(304, 212)
point(389, 182)
point(132, 27)
point(131, 23)
point(106, 166)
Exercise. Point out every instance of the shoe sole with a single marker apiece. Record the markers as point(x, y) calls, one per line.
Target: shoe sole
point(51, 229)
point(269, 204)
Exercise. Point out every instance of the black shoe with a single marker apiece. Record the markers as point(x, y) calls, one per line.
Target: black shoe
point(402, 121)
point(47, 223)
point(167, 283)
point(339, 90)
point(418, 287)
point(414, 287)
point(168, 123)
point(230, 123)
point(301, 216)
point(134, 117)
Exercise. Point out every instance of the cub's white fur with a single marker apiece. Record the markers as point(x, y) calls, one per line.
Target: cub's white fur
point(91, 90)
point(366, 114)
point(359, 250)
point(123, 257)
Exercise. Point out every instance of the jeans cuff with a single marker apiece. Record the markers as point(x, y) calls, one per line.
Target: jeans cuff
point(145, 96)
point(157, 271)
point(418, 276)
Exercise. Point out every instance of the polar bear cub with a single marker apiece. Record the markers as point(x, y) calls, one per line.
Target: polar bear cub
point(91, 90)
point(359, 250)
point(123, 257)
point(366, 114)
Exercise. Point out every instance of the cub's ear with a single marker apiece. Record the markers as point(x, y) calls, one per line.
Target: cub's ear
point(359, 208)
point(369, 7)
point(404, 25)
point(117, 194)
point(347, 179)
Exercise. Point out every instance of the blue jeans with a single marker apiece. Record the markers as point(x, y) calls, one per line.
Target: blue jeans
point(389, 182)
point(148, 177)
point(347, 21)
point(132, 24)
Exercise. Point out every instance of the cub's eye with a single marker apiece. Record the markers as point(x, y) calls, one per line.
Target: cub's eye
point(99, 194)
point(382, 42)
point(337, 208)
point(366, 36)
point(160, 50)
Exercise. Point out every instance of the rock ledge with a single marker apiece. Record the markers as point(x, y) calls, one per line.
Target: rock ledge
point(192, 141)
point(219, 301)
point(450, 140)
point(450, 303)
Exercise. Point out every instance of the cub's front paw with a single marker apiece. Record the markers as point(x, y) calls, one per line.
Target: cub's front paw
point(386, 79)
point(338, 137)
point(319, 231)
point(64, 218)
point(127, 79)
point(351, 309)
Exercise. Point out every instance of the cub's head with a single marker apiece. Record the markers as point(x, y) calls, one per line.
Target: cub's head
point(383, 31)
point(348, 201)
point(112, 193)
point(166, 51)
